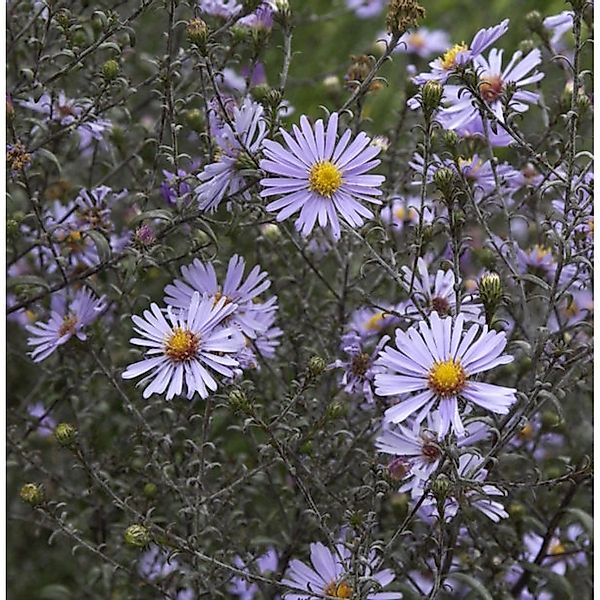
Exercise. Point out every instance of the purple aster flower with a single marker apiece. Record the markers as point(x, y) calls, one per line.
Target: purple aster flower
point(321, 176)
point(261, 18)
point(572, 309)
point(44, 423)
point(405, 211)
point(438, 360)
point(559, 25)
point(419, 446)
point(423, 42)
point(67, 319)
point(493, 81)
point(365, 9)
point(359, 370)
point(436, 293)
point(243, 141)
point(367, 322)
point(481, 498)
point(186, 348)
point(155, 564)
point(330, 575)
point(220, 8)
point(246, 590)
point(248, 314)
point(171, 190)
point(461, 54)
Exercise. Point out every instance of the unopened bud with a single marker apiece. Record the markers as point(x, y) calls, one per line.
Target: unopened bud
point(197, 32)
point(270, 231)
point(450, 138)
point(238, 401)
point(316, 366)
point(444, 181)
point(335, 410)
point(535, 21)
point(145, 236)
point(490, 292)
point(398, 468)
point(150, 490)
point(195, 119)
point(32, 493)
point(65, 434)
point(431, 96)
point(110, 69)
point(441, 487)
point(332, 84)
point(526, 46)
point(517, 511)
point(550, 420)
point(137, 536)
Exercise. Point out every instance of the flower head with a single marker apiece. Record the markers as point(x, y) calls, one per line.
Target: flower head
point(321, 176)
point(438, 360)
point(67, 319)
point(248, 314)
point(186, 348)
point(330, 575)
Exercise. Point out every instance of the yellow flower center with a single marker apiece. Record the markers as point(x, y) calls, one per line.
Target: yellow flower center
point(447, 378)
point(540, 252)
point(68, 325)
point(182, 345)
point(220, 295)
point(374, 323)
point(416, 40)
point(556, 548)
point(324, 178)
point(449, 57)
point(400, 213)
point(338, 590)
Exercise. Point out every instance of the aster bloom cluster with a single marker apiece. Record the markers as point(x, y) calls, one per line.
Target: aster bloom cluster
point(204, 330)
point(299, 299)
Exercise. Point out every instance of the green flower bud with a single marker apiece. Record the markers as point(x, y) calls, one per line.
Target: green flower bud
point(316, 366)
point(195, 119)
point(535, 21)
point(110, 69)
point(450, 138)
point(517, 511)
point(441, 487)
point(197, 32)
point(270, 231)
point(32, 493)
point(137, 536)
point(335, 410)
point(238, 401)
point(150, 490)
point(443, 180)
point(431, 96)
point(526, 46)
point(65, 434)
point(261, 92)
point(550, 420)
point(490, 292)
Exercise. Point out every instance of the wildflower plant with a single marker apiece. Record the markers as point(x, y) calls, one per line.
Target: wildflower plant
point(299, 299)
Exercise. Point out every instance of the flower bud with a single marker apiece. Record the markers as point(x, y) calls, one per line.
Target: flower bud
point(526, 46)
point(398, 468)
point(335, 410)
point(450, 138)
point(431, 96)
point(316, 366)
point(110, 69)
point(550, 420)
point(444, 181)
point(535, 21)
point(197, 32)
point(441, 487)
point(65, 434)
point(490, 292)
point(32, 493)
point(270, 231)
point(403, 14)
point(195, 119)
point(137, 536)
point(517, 511)
point(238, 401)
point(150, 490)
point(145, 236)
point(332, 84)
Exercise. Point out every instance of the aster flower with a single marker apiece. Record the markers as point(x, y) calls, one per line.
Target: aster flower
point(460, 54)
point(246, 590)
point(367, 322)
point(238, 144)
point(418, 446)
point(44, 422)
point(493, 82)
point(321, 176)
point(558, 25)
point(359, 370)
point(155, 564)
point(220, 8)
point(186, 348)
point(67, 319)
point(249, 313)
point(436, 293)
point(423, 42)
point(365, 9)
point(439, 360)
point(330, 575)
point(405, 211)
point(171, 190)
